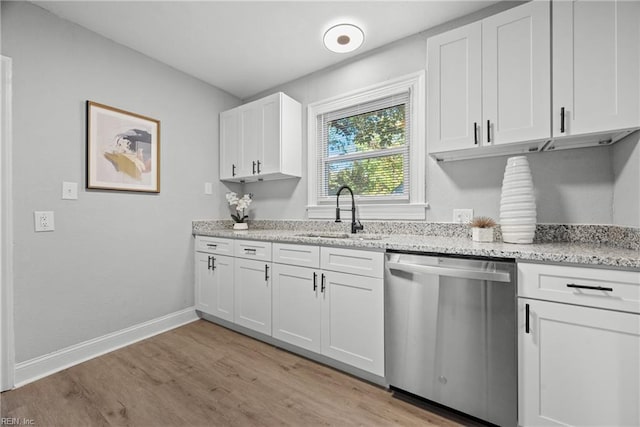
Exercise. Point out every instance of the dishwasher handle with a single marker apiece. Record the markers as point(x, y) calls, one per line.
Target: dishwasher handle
point(494, 276)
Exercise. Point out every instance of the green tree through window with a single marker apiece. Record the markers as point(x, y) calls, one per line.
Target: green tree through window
point(366, 152)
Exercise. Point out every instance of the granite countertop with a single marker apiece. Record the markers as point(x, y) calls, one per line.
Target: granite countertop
point(560, 252)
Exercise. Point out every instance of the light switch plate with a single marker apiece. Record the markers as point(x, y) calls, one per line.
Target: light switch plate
point(462, 216)
point(208, 188)
point(44, 220)
point(70, 190)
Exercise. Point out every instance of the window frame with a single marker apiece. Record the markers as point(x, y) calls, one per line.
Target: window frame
point(412, 209)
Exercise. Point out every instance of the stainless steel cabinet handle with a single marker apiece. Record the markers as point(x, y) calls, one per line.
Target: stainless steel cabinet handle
point(488, 131)
point(266, 272)
point(526, 318)
point(250, 251)
point(254, 167)
point(233, 170)
point(213, 263)
point(209, 262)
point(258, 163)
point(562, 120)
point(211, 245)
point(591, 288)
point(322, 278)
point(315, 281)
point(495, 276)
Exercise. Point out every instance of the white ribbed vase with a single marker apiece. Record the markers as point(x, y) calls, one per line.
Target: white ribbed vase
point(517, 203)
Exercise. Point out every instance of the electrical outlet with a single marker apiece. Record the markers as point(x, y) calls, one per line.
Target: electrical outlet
point(44, 220)
point(462, 216)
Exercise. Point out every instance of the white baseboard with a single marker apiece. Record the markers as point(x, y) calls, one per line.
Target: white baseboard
point(39, 367)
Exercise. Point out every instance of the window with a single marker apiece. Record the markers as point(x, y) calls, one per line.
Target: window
point(373, 141)
point(366, 147)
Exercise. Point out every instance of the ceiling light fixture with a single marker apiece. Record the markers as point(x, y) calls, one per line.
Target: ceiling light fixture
point(343, 38)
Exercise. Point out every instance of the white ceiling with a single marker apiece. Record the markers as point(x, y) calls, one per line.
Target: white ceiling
point(246, 47)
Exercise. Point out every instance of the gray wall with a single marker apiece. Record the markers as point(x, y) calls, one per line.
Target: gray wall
point(567, 183)
point(626, 190)
point(115, 259)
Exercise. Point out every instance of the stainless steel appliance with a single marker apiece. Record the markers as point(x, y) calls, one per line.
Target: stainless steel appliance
point(450, 333)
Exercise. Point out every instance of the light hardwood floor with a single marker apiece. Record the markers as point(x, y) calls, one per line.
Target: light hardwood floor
point(202, 374)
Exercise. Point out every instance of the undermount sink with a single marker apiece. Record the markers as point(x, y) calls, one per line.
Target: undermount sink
point(343, 236)
point(326, 235)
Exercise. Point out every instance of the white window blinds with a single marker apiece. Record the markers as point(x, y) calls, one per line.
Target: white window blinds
point(366, 146)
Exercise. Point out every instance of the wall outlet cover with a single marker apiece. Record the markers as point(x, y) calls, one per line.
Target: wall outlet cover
point(44, 221)
point(70, 190)
point(462, 216)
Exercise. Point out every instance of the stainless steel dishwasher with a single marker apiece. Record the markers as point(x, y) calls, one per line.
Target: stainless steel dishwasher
point(450, 333)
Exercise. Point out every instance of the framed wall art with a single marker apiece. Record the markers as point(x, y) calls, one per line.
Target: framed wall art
point(123, 150)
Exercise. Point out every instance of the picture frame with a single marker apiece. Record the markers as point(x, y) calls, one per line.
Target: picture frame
point(123, 150)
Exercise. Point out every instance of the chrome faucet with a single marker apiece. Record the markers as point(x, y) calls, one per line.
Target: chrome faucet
point(355, 224)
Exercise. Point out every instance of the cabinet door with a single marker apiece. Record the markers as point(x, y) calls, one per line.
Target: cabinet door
point(578, 365)
point(214, 285)
point(296, 306)
point(454, 113)
point(251, 138)
point(268, 150)
point(353, 320)
point(230, 143)
point(252, 295)
point(596, 63)
point(516, 74)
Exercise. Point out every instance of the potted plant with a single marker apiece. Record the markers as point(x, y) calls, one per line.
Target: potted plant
point(482, 229)
point(241, 204)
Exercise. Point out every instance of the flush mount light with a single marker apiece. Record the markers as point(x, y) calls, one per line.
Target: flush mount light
point(343, 38)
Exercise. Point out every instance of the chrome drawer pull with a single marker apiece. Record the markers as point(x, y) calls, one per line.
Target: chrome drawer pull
point(593, 288)
point(251, 250)
point(211, 245)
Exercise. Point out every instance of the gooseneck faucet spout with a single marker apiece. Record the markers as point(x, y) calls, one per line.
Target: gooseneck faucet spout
point(355, 224)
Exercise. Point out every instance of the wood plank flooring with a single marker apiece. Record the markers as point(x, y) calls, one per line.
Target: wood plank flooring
point(202, 374)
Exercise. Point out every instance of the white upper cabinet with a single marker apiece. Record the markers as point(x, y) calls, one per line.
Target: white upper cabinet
point(261, 140)
point(596, 64)
point(455, 88)
point(516, 74)
point(229, 152)
point(490, 84)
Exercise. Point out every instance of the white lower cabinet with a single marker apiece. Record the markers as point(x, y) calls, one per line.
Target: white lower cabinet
point(326, 300)
point(353, 320)
point(252, 294)
point(578, 365)
point(214, 277)
point(337, 314)
point(214, 285)
point(297, 306)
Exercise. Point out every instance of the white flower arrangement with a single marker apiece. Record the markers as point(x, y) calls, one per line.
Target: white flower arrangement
point(241, 204)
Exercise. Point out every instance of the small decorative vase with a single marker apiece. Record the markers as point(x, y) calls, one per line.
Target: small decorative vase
point(240, 226)
point(482, 234)
point(517, 202)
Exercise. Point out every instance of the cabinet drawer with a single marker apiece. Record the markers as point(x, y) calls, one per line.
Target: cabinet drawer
point(252, 249)
point(214, 245)
point(302, 255)
point(352, 261)
point(593, 287)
